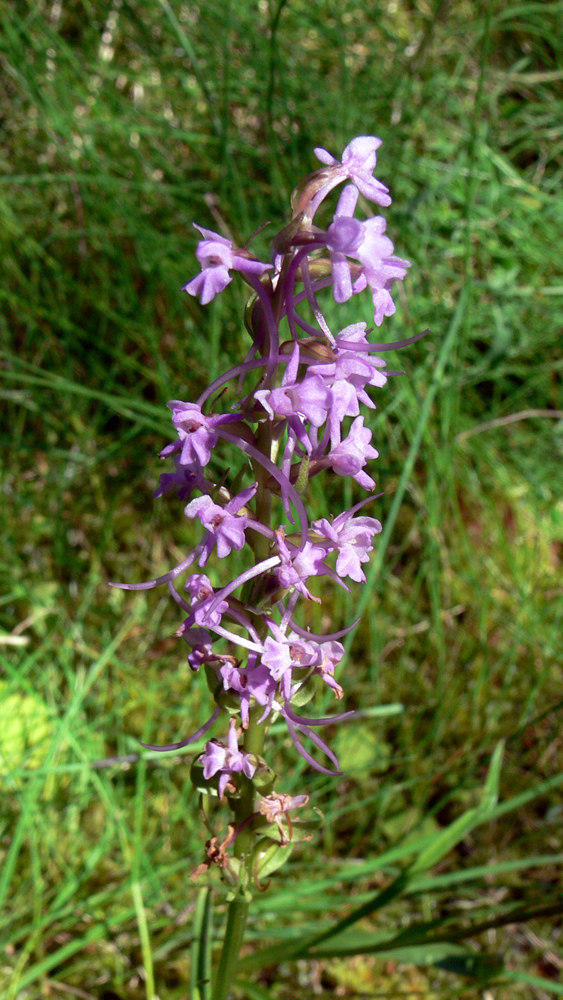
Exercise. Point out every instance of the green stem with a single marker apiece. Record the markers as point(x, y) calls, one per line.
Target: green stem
point(253, 743)
point(244, 845)
point(234, 933)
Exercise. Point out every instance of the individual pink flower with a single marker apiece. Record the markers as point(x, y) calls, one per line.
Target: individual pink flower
point(297, 565)
point(281, 654)
point(351, 538)
point(197, 432)
point(185, 480)
point(350, 456)
point(251, 683)
point(357, 164)
point(217, 257)
point(225, 526)
point(309, 398)
point(365, 242)
point(226, 760)
point(380, 268)
point(201, 593)
point(331, 653)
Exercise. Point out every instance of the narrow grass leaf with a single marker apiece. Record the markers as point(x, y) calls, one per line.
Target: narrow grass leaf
point(200, 973)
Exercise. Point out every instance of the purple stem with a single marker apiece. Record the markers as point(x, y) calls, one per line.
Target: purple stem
point(242, 619)
point(363, 503)
point(178, 598)
point(320, 196)
point(318, 285)
point(244, 368)
point(191, 739)
point(308, 757)
point(273, 331)
point(233, 637)
point(300, 721)
point(320, 744)
point(288, 611)
point(308, 286)
point(249, 574)
point(185, 564)
point(322, 638)
point(276, 473)
point(262, 529)
point(289, 290)
point(350, 345)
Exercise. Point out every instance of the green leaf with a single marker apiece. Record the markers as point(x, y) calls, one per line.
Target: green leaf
point(447, 839)
point(480, 871)
point(268, 857)
point(538, 981)
point(439, 846)
point(304, 694)
point(452, 957)
point(253, 991)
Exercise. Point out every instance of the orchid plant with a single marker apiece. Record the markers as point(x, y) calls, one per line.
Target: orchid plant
point(296, 414)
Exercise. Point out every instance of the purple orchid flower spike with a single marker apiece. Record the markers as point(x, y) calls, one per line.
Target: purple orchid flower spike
point(286, 412)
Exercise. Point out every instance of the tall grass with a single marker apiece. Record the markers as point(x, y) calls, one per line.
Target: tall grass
point(127, 122)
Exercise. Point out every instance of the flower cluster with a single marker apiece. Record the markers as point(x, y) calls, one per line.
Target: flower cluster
point(299, 415)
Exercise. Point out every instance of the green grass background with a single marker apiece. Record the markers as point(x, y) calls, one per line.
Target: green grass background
point(124, 122)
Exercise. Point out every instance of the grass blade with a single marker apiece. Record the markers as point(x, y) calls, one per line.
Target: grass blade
point(200, 976)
